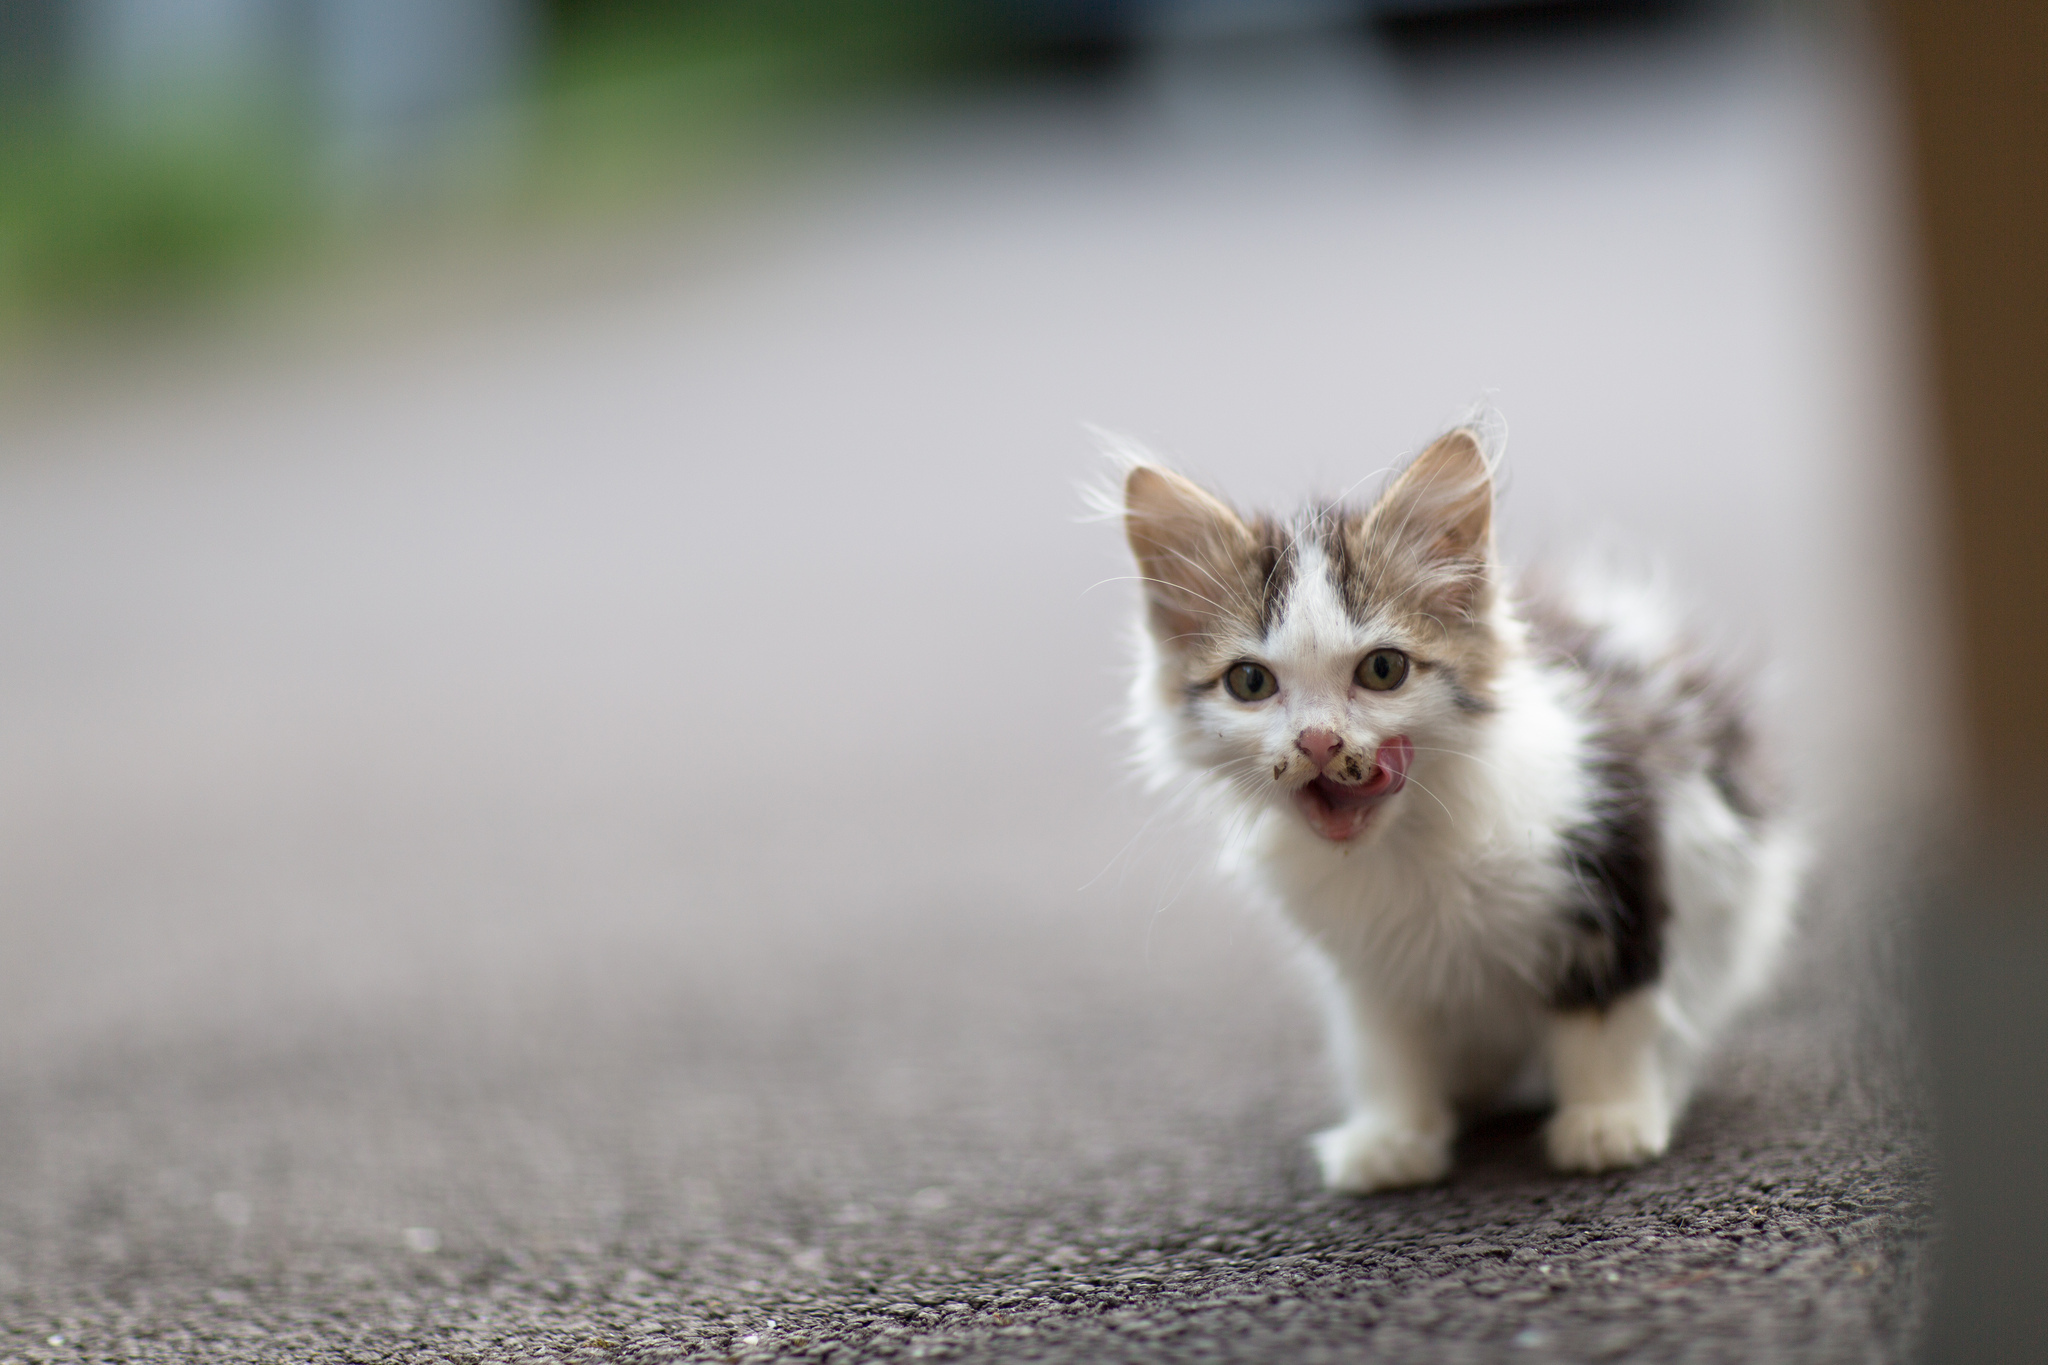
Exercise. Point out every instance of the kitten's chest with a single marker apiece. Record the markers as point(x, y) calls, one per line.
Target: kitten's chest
point(1440, 922)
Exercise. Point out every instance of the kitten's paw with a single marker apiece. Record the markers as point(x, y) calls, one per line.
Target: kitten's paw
point(1368, 1154)
point(1601, 1137)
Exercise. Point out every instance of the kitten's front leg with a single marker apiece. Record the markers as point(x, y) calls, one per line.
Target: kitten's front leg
point(1614, 1102)
point(1399, 1128)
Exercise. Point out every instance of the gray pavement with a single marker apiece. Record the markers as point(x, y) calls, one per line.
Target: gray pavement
point(592, 829)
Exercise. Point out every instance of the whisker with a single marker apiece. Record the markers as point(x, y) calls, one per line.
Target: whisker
point(1243, 598)
point(1434, 797)
point(1177, 587)
point(1241, 782)
point(1458, 753)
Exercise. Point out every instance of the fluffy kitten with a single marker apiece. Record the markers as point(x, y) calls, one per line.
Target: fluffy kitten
point(1524, 838)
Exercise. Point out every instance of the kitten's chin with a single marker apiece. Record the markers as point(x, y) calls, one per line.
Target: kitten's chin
point(1341, 812)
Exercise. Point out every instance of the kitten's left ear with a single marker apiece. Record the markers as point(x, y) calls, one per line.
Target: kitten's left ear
point(1440, 512)
point(1193, 552)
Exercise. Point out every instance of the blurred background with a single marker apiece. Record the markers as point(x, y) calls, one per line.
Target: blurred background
point(558, 712)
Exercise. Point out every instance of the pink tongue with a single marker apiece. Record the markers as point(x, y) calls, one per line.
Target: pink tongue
point(1389, 776)
point(1395, 754)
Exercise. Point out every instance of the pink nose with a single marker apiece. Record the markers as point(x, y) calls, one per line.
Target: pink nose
point(1320, 745)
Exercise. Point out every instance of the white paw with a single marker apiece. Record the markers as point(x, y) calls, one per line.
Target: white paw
point(1600, 1137)
point(1369, 1154)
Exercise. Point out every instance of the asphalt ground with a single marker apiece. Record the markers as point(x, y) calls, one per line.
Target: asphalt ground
point(584, 822)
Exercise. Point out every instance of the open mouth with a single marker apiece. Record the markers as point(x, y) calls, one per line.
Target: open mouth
point(1339, 810)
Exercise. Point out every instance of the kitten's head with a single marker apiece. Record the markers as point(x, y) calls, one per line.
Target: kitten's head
point(1314, 663)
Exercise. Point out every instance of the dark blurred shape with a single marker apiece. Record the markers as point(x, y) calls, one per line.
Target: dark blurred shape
point(1453, 27)
point(1053, 25)
point(1977, 111)
point(30, 36)
point(1985, 974)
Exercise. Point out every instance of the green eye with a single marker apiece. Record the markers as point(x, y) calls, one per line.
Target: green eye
point(1250, 682)
point(1383, 670)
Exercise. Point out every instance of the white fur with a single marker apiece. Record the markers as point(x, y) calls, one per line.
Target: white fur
point(1432, 934)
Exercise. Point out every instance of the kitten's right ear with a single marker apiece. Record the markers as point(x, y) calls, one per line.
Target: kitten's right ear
point(1438, 517)
point(1191, 550)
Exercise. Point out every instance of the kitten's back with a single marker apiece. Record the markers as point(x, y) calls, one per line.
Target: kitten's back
point(1660, 703)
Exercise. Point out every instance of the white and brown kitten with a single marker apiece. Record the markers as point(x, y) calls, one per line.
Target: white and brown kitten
point(1525, 839)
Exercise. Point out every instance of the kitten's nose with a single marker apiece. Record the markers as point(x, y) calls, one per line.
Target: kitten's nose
point(1320, 745)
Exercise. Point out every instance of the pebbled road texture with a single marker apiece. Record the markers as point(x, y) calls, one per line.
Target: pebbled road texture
point(589, 828)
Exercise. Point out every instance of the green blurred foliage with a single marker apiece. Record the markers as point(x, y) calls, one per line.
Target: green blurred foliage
point(638, 95)
point(93, 224)
point(628, 102)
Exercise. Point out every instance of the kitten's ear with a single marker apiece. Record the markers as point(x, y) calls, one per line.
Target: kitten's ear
point(1440, 512)
point(1191, 549)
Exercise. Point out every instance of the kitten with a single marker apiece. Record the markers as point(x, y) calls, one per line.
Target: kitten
point(1525, 839)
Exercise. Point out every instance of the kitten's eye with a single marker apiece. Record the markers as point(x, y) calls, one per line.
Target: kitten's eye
point(1383, 670)
point(1250, 682)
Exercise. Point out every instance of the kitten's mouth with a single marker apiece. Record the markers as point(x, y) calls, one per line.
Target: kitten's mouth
point(1338, 810)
